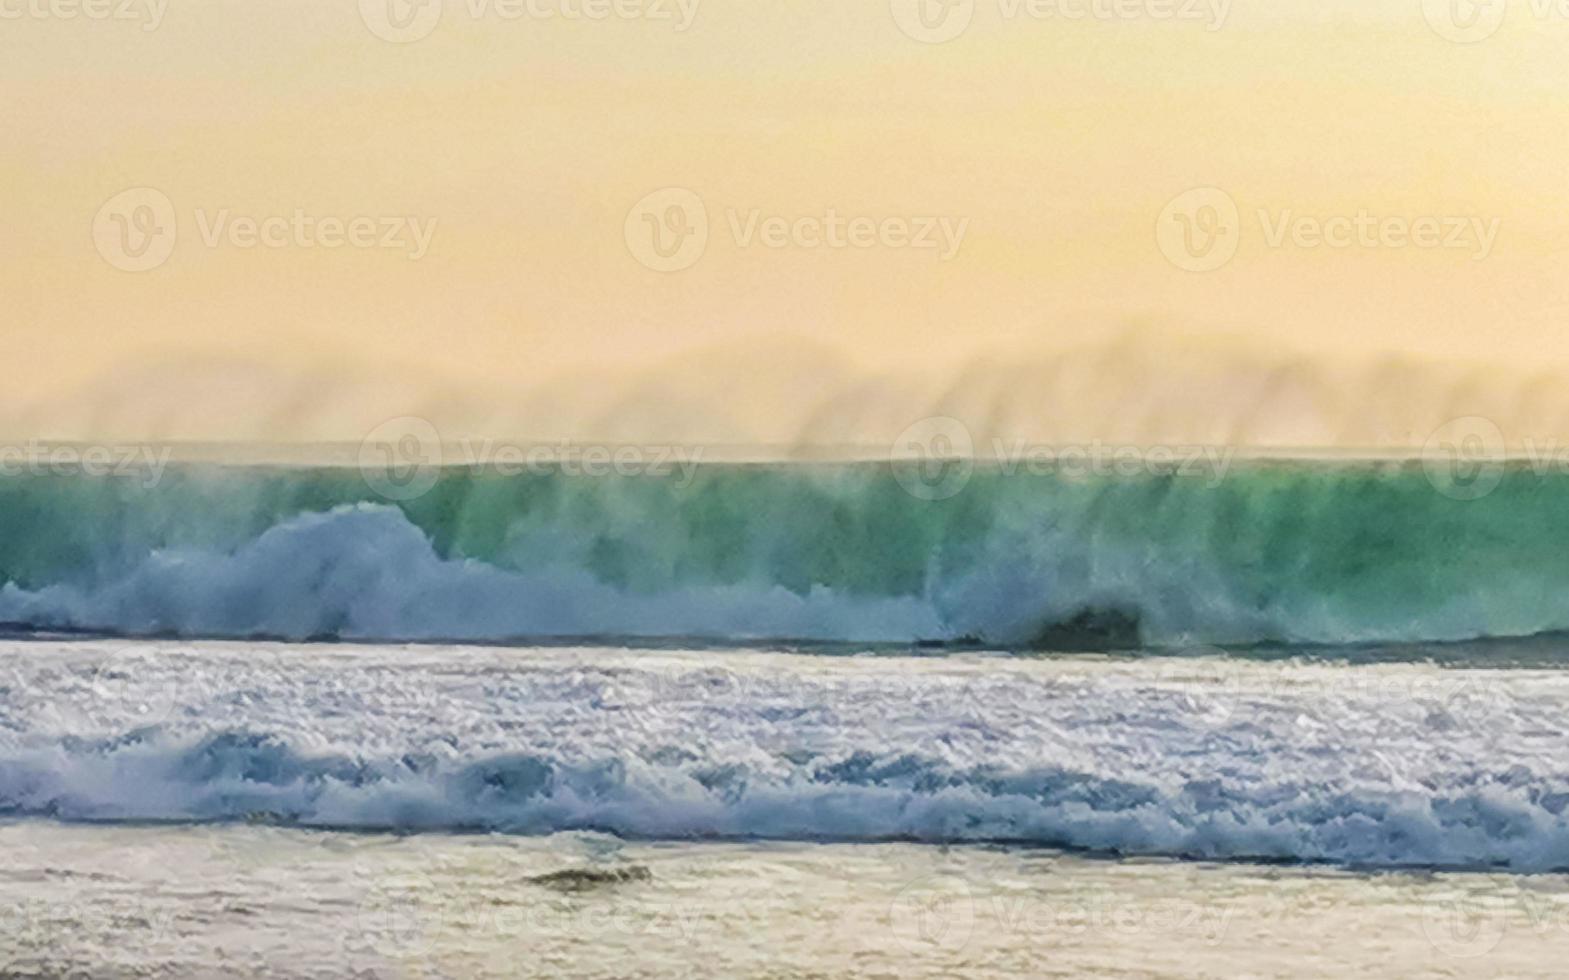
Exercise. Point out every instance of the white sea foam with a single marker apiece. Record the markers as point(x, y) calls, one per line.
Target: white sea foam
point(366, 572)
point(1386, 766)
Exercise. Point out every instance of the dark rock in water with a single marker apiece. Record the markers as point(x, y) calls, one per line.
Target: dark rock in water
point(583, 879)
point(1090, 631)
point(966, 642)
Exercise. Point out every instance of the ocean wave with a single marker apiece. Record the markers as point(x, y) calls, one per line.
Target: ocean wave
point(1406, 765)
point(1496, 823)
point(1298, 553)
point(365, 572)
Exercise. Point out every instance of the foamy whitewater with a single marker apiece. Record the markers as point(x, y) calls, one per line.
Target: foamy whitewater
point(1296, 741)
point(1382, 766)
point(853, 553)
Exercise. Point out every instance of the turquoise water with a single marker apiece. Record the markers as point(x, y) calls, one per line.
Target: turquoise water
point(1272, 552)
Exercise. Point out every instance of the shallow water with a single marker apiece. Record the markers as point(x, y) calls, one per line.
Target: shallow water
point(270, 902)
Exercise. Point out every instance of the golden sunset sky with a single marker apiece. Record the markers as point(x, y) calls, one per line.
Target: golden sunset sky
point(523, 144)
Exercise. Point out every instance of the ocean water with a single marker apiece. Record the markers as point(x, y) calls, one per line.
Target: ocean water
point(1294, 553)
point(182, 808)
point(234, 900)
point(777, 721)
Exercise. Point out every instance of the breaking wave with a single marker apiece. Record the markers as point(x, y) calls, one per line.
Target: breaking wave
point(1292, 553)
point(862, 797)
point(1216, 758)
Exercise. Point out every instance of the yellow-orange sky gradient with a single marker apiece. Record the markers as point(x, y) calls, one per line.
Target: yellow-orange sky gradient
point(527, 142)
